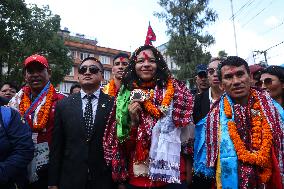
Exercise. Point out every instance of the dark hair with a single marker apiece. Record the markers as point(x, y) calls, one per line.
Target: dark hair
point(94, 59)
point(75, 85)
point(162, 73)
point(12, 85)
point(232, 61)
point(278, 71)
point(121, 54)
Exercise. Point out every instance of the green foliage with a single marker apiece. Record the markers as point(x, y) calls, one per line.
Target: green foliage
point(222, 54)
point(31, 30)
point(186, 20)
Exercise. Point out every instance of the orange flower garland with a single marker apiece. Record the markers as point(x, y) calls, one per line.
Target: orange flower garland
point(42, 116)
point(261, 140)
point(112, 88)
point(158, 112)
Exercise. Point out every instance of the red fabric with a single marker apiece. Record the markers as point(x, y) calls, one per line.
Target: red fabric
point(150, 36)
point(46, 136)
point(275, 181)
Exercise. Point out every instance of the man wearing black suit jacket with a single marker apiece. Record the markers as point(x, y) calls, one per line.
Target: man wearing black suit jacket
point(76, 156)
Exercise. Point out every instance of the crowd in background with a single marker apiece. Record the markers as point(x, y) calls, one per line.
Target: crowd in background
point(144, 129)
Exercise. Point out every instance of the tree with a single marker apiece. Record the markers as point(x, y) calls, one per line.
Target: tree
point(186, 20)
point(37, 33)
point(222, 54)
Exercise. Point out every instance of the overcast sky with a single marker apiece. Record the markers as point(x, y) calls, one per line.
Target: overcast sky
point(122, 24)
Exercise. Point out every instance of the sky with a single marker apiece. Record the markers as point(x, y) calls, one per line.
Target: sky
point(122, 24)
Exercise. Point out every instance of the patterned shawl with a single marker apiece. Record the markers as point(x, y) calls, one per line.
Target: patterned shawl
point(269, 111)
point(181, 117)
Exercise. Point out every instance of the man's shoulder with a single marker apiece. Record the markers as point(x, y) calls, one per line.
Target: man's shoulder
point(59, 95)
point(106, 96)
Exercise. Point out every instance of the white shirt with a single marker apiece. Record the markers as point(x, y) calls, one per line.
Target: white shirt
point(94, 101)
point(210, 97)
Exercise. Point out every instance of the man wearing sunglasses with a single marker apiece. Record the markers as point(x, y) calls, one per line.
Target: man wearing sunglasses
point(202, 104)
point(76, 157)
point(120, 62)
point(36, 103)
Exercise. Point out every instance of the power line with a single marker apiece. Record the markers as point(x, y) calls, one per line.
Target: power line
point(274, 46)
point(247, 4)
point(257, 14)
point(265, 51)
point(271, 29)
point(249, 11)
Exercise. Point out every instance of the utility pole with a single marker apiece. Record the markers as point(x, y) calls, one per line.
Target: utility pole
point(233, 20)
point(264, 53)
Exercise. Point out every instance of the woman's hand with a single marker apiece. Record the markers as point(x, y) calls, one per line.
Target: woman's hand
point(134, 108)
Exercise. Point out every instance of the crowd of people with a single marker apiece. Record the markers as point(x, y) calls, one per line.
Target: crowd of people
point(144, 129)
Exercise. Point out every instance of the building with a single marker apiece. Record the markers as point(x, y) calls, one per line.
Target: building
point(81, 48)
point(171, 64)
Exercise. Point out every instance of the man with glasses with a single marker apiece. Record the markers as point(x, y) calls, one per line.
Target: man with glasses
point(76, 157)
point(36, 103)
point(202, 104)
point(255, 73)
point(120, 62)
point(201, 78)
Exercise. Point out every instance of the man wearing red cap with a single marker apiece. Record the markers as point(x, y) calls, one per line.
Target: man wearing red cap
point(255, 73)
point(36, 103)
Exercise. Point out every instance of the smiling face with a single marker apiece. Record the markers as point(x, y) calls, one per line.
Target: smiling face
point(36, 76)
point(146, 66)
point(272, 85)
point(119, 65)
point(236, 82)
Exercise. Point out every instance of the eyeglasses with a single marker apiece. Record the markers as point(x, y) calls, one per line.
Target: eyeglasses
point(211, 71)
point(92, 69)
point(266, 81)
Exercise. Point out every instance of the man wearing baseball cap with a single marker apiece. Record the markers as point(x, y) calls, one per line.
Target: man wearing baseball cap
point(36, 103)
point(201, 78)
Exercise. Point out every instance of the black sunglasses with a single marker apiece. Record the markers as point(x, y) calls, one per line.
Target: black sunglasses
point(92, 69)
point(267, 81)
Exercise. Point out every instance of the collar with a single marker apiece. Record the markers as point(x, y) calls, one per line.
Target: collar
point(96, 93)
point(211, 100)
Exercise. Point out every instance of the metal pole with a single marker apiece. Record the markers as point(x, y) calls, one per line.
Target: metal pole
point(233, 20)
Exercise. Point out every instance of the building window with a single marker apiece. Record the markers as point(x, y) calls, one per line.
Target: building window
point(105, 59)
point(71, 72)
point(74, 54)
point(65, 87)
point(107, 75)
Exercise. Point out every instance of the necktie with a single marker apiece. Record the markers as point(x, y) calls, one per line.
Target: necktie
point(88, 117)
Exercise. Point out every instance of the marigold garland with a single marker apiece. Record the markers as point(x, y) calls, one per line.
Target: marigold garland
point(112, 88)
point(158, 112)
point(42, 116)
point(261, 139)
